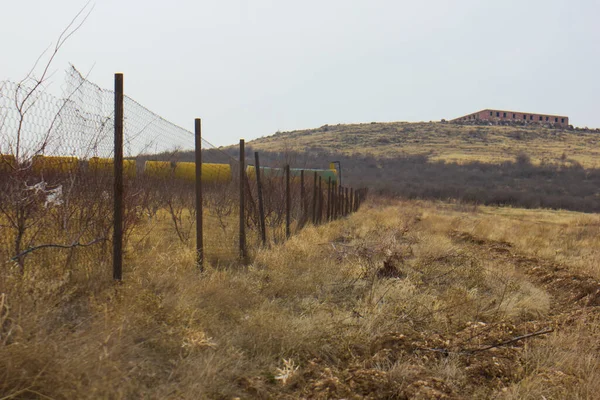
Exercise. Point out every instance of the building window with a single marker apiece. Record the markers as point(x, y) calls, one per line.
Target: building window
point(546, 118)
point(540, 117)
point(531, 117)
point(514, 116)
point(562, 120)
point(504, 115)
point(555, 119)
point(491, 113)
point(524, 116)
point(497, 114)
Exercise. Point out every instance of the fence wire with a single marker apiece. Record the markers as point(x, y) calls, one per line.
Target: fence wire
point(52, 193)
point(56, 165)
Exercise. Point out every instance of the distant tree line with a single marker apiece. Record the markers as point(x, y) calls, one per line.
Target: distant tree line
point(566, 185)
point(519, 183)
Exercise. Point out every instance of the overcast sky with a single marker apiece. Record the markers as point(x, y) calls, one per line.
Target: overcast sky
point(251, 68)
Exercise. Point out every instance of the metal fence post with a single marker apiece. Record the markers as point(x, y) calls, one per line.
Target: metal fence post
point(302, 200)
point(341, 202)
point(242, 201)
point(329, 199)
point(118, 182)
point(346, 203)
point(314, 204)
point(334, 200)
point(320, 200)
point(288, 201)
point(199, 207)
point(261, 207)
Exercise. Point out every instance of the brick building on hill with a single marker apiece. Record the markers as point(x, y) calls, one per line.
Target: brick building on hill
point(517, 117)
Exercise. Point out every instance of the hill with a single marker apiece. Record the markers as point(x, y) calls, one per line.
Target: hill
point(522, 166)
point(444, 142)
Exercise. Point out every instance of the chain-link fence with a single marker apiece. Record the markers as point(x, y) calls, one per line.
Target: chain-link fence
point(59, 188)
point(53, 195)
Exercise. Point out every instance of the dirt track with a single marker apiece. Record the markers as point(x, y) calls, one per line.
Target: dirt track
point(492, 355)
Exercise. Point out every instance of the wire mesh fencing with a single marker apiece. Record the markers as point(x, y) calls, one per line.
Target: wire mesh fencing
point(290, 198)
point(220, 180)
point(52, 195)
point(59, 183)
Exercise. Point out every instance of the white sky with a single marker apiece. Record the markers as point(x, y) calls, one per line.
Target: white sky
point(250, 68)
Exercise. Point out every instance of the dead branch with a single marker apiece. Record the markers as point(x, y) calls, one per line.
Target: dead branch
point(22, 105)
point(507, 342)
point(447, 352)
point(58, 246)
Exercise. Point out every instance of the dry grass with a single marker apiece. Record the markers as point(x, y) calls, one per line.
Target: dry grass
point(388, 303)
point(447, 142)
point(561, 237)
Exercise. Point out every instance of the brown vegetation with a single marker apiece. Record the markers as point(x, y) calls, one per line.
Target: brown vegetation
point(520, 183)
point(401, 300)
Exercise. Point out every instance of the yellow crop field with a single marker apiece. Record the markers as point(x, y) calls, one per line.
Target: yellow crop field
point(159, 169)
point(211, 173)
point(54, 164)
point(107, 165)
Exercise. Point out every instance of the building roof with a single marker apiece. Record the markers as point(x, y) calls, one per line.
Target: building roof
point(519, 112)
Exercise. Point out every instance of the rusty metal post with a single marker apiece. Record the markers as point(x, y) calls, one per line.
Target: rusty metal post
point(261, 206)
point(243, 254)
point(288, 202)
point(118, 182)
point(320, 205)
point(314, 203)
point(199, 207)
point(333, 201)
point(346, 203)
point(329, 199)
point(302, 201)
point(341, 202)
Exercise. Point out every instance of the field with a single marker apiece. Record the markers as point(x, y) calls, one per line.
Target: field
point(443, 142)
point(404, 299)
point(443, 285)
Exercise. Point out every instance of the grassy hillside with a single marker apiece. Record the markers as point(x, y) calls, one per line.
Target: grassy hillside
point(443, 141)
point(522, 166)
point(400, 300)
